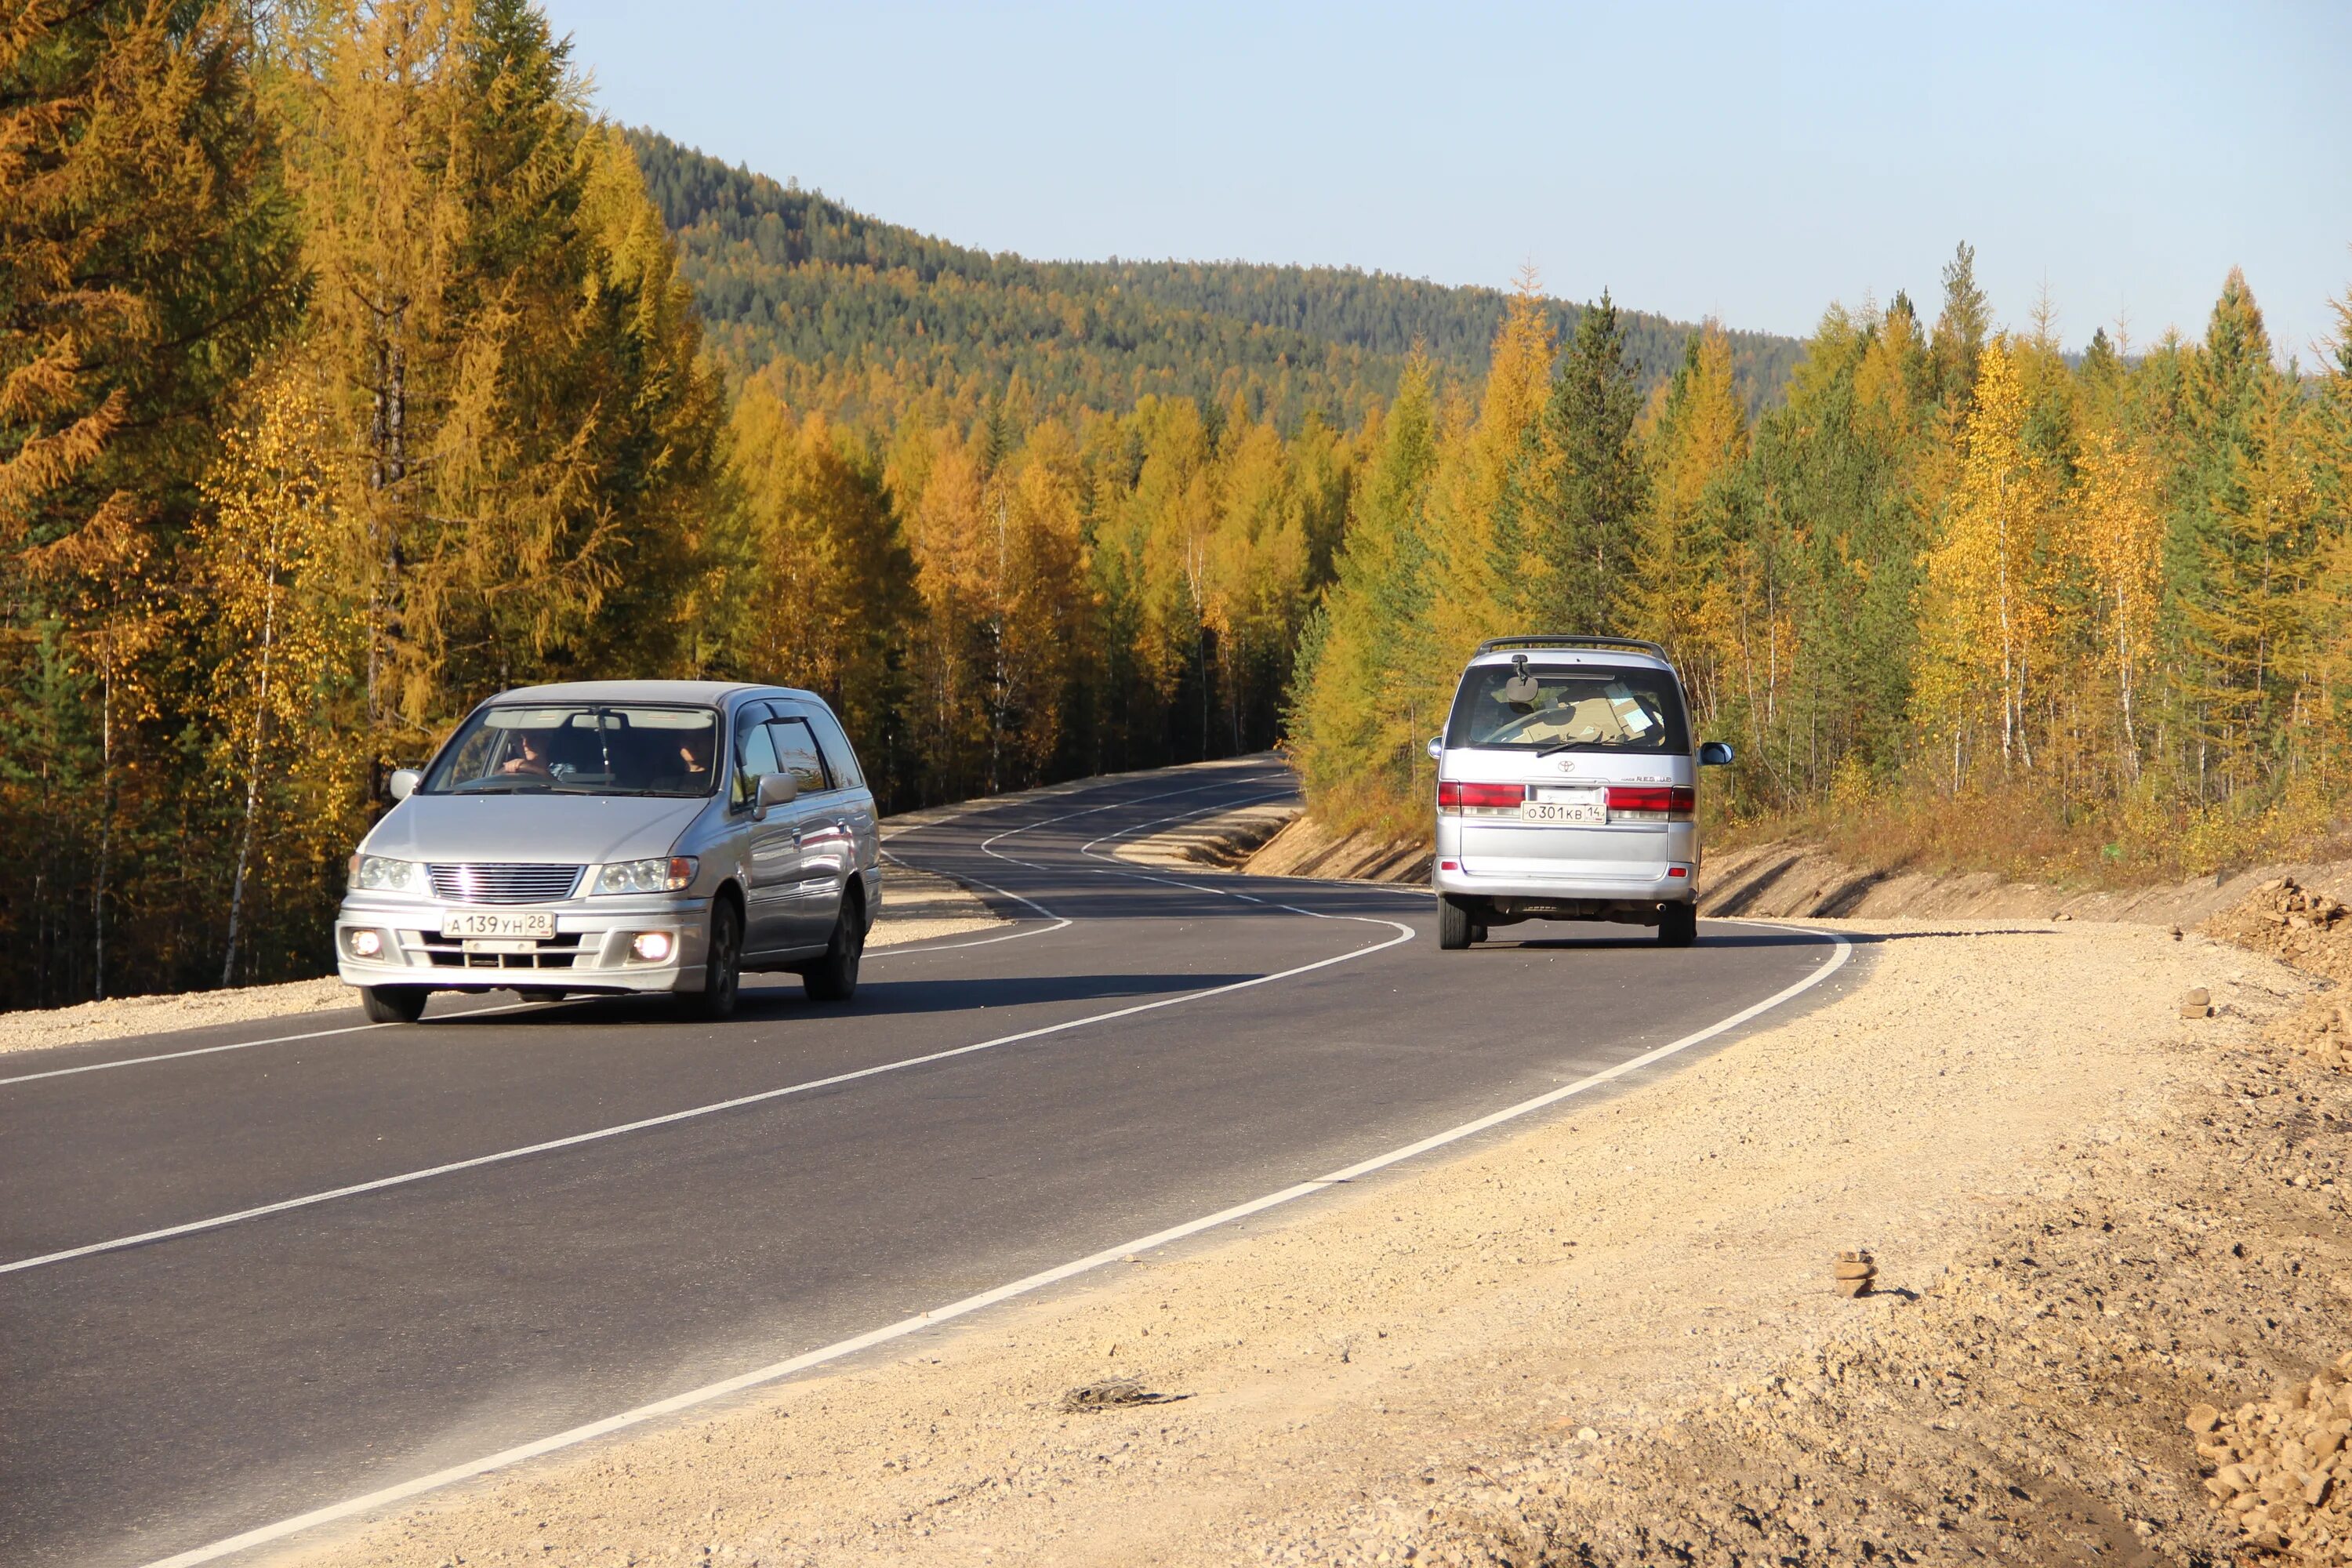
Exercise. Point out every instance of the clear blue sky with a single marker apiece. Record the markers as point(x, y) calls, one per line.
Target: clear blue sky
point(1751, 161)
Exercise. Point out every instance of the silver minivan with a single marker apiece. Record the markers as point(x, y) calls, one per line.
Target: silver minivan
point(1567, 789)
point(617, 836)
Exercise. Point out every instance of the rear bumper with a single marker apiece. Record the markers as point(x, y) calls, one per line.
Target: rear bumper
point(1674, 883)
point(591, 950)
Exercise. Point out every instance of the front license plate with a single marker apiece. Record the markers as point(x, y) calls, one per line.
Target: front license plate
point(496, 922)
point(1571, 814)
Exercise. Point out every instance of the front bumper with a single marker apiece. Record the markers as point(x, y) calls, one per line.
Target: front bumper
point(590, 950)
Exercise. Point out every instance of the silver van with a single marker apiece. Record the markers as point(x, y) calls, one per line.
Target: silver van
point(615, 837)
point(1568, 790)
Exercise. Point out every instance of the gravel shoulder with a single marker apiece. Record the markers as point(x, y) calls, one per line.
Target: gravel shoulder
point(1614, 1338)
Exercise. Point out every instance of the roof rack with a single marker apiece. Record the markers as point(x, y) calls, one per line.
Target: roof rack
point(1563, 640)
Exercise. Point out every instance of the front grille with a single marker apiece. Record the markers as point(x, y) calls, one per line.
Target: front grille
point(503, 884)
point(561, 950)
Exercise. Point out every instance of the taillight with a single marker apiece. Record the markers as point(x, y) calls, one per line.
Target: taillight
point(1652, 803)
point(1454, 796)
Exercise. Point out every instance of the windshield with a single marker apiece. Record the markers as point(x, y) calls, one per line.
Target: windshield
point(1568, 708)
point(580, 748)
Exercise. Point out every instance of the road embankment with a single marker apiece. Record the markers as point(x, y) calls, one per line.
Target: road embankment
point(1615, 1337)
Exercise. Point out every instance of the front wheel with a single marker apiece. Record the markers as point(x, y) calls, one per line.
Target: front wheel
point(1455, 927)
point(834, 977)
point(1678, 925)
point(722, 966)
point(392, 1004)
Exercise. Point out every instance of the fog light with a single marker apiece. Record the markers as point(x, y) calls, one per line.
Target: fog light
point(653, 946)
point(367, 943)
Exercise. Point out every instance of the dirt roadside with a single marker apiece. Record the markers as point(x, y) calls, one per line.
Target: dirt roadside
point(1613, 1338)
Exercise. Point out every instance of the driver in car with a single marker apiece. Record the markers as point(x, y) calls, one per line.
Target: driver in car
point(531, 754)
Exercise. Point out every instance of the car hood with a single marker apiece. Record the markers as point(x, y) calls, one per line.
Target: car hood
point(545, 829)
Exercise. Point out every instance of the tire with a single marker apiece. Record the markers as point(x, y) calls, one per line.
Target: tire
point(722, 966)
point(834, 977)
point(392, 1004)
point(1678, 925)
point(1456, 929)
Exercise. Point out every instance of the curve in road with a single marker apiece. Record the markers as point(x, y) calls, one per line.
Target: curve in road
point(249, 1284)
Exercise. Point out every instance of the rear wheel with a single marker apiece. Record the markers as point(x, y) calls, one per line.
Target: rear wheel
point(392, 1004)
point(1456, 926)
point(834, 977)
point(1678, 925)
point(722, 966)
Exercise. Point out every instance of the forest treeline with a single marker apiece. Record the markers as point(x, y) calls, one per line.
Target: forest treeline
point(353, 370)
point(349, 375)
point(858, 317)
point(1956, 587)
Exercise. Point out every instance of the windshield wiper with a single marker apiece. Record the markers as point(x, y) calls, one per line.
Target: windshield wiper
point(500, 786)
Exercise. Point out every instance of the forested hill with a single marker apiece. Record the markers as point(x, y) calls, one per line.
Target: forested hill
point(858, 316)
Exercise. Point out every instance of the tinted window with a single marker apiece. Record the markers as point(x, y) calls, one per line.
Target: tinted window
point(839, 760)
point(755, 758)
point(796, 753)
point(1571, 707)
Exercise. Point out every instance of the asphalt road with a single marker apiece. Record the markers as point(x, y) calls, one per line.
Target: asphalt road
point(159, 1394)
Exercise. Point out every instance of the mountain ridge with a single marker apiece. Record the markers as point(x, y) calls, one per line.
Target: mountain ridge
point(852, 312)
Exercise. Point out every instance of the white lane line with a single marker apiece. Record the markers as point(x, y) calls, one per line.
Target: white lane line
point(680, 1402)
point(988, 846)
point(1087, 848)
point(1059, 922)
point(249, 1045)
point(1404, 933)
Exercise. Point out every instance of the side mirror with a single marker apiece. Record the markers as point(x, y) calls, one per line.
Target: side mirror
point(1715, 755)
point(402, 784)
point(779, 788)
point(1437, 748)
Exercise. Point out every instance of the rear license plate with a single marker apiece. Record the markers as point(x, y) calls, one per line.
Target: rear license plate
point(1571, 815)
point(1567, 808)
point(497, 923)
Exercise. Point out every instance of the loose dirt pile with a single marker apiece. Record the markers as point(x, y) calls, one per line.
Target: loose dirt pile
point(2294, 924)
point(2281, 1468)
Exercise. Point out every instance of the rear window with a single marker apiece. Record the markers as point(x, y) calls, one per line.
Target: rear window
point(1530, 706)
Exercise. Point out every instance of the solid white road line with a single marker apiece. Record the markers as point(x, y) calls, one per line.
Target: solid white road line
point(938, 1315)
point(249, 1045)
point(1404, 933)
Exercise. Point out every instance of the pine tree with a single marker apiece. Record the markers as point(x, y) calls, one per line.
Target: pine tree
point(1585, 512)
point(1959, 338)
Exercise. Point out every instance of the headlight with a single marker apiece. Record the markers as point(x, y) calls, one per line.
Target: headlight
point(381, 874)
point(663, 875)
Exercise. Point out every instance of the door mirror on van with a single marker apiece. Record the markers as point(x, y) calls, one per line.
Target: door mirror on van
point(1715, 754)
point(778, 788)
point(402, 784)
point(1437, 748)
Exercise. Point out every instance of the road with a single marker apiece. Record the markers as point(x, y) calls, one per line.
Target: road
point(1138, 1050)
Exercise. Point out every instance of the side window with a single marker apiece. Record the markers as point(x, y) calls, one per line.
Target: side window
point(838, 757)
point(755, 756)
point(796, 753)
